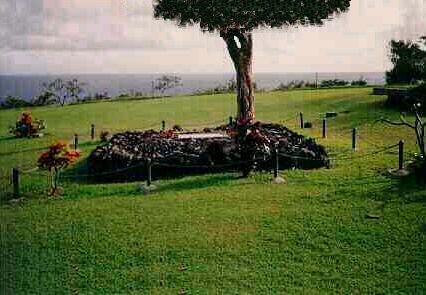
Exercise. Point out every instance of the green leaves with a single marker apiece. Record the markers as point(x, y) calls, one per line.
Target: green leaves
point(409, 60)
point(217, 15)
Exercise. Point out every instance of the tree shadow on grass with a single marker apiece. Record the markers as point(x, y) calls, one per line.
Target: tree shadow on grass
point(7, 138)
point(411, 189)
point(406, 189)
point(199, 182)
point(133, 188)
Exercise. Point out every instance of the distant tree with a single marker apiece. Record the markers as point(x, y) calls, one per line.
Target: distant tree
point(409, 61)
point(235, 21)
point(74, 89)
point(60, 92)
point(54, 91)
point(45, 98)
point(167, 82)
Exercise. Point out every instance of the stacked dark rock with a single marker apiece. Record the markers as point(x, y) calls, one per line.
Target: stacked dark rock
point(128, 152)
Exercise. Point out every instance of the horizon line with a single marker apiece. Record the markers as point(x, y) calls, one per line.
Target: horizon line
point(193, 73)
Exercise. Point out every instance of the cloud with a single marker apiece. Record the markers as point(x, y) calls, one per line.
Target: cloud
point(80, 25)
point(413, 20)
point(123, 36)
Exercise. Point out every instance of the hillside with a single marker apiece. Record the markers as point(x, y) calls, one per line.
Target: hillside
point(219, 233)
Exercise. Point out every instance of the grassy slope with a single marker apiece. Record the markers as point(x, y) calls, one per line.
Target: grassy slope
point(215, 233)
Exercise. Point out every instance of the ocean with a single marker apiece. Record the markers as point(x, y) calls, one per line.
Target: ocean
point(30, 86)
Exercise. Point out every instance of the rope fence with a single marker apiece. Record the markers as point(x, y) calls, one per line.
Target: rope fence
point(353, 133)
point(16, 173)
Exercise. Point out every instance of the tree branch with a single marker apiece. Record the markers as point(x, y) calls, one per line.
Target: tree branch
point(233, 49)
point(401, 117)
point(403, 123)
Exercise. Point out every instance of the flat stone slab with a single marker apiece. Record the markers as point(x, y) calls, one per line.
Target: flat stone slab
point(201, 135)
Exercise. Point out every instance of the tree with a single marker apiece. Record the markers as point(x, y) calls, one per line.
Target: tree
point(74, 89)
point(409, 61)
point(166, 82)
point(235, 21)
point(57, 158)
point(60, 92)
point(54, 91)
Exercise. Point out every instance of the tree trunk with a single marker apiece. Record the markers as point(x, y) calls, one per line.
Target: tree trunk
point(240, 47)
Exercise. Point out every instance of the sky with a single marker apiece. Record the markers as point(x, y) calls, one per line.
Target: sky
point(121, 36)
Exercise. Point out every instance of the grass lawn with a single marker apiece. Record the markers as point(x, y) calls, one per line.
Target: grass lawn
point(216, 233)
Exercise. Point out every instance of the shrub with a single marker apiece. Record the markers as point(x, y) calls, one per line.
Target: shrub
point(104, 136)
point(54, 161)
point(334, 83)
point(229, 87)
point(360, 82)
point(177, 128)
point(11, 102)
point(27, 127)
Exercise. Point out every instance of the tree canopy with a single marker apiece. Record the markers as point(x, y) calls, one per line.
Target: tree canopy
point(235, 20)
point(220, 15)
point(409, 61)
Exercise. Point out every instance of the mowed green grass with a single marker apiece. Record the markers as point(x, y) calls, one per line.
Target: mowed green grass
point(217, 233)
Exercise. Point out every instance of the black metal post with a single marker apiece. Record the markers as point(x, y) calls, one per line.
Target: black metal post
point(92, 132)
point(354, 138)
point(149, 172)
point(75, 141)
point(302, 123)
point(231, 120)
point(15, 181)
point(401, 154)
point(163, 125)
point(324, 128)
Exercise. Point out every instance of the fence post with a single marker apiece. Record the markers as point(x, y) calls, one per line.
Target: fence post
point(324, 128)
point(401, 154)
point(354, 138)
point(149, 172)
point(302, 123)
point(75, 141)
point(231, 120)
point(92, 132)
point(15, 181)
point(276, 162)
point(163, 125)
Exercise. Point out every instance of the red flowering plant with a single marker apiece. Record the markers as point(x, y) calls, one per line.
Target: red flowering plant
point(57, 158)
point(168, 134)
point(26, 126)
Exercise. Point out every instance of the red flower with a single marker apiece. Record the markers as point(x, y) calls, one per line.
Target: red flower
point(57, 157)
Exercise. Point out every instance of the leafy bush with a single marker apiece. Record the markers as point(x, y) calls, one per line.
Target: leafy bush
point(333, 83)
point(104, 136)
point(11, 102)
point(101, 96)
point(229, 87)
point(360, 82)
point(177, 128)
point(26, 126)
